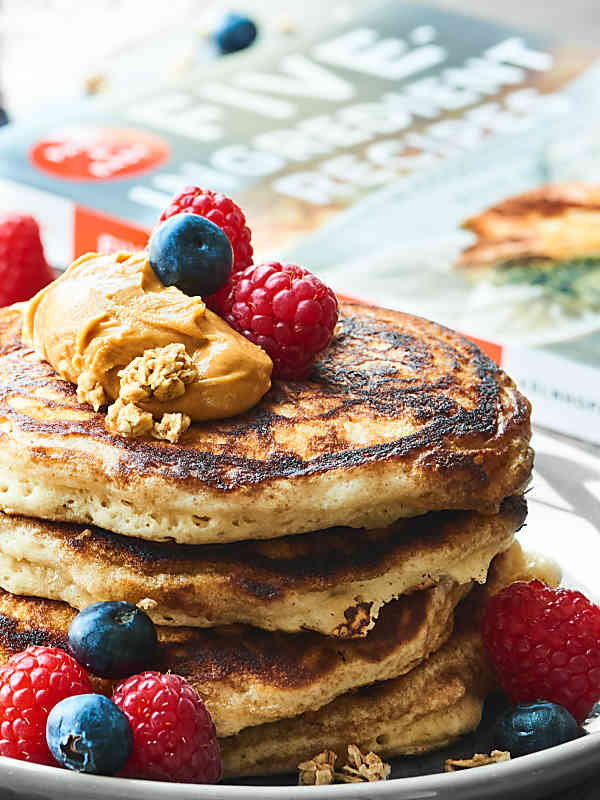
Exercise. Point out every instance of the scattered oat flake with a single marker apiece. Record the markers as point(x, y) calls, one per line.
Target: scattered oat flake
point(478, 760)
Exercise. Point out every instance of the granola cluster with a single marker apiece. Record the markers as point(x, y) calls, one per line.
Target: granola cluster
point(171, 427)
point(320, 770)
point(162, 374)
point(128, 419)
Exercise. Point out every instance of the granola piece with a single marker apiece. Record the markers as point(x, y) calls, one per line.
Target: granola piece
point(147, 604)
point(90, 391)
point(364, 768)
point(171, 427)
point(477, 760)
point(318, 771)
point(128, 420)
point(161, 373)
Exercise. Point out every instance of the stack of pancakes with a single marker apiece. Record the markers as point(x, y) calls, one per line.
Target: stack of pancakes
point(310, 564)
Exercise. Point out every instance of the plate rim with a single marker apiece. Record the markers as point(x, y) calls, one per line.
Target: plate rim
point(575, 754)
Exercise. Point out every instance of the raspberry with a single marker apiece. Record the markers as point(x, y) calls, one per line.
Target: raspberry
point(23, 267)
point(31, 684)
point(174, 737)
point(220, 210)
point(545, 643)
point(283, 308)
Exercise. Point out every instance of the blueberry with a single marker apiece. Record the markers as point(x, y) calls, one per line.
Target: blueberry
point(529, 727)
point(89, 733)
point(113, 640)
point(234, 32)
point(192, 253)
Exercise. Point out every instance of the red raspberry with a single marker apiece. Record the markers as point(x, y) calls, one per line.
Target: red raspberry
point(174, 737)
point(283, 308)
point(545, 643)
point(23, 267)
point(220, 210)
point(31, 684)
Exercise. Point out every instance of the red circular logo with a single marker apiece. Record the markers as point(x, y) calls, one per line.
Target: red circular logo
point(89, 153)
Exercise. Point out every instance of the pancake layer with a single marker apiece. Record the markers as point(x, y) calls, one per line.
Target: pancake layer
point(399, 417)
point(334, 582)
point(424, 710)
point(249, 677)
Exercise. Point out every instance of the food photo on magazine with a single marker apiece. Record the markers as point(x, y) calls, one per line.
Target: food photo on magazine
point(299, 401)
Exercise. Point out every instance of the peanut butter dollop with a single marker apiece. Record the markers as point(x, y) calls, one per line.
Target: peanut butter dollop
point(111, 327)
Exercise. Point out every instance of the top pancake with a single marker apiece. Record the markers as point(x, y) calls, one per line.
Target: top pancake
point(400, 416)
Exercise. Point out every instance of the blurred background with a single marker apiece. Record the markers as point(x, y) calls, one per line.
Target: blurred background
point(52, 50)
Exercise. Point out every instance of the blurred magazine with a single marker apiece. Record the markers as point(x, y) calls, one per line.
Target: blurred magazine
point(359, 153)
point(503, 245)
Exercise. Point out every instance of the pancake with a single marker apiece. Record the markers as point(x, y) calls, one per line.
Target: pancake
point(247, 676)
point(399, 417)
point(424, 710)
point(334, 582)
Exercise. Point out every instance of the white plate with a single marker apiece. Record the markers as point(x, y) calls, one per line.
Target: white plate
point(564, 523)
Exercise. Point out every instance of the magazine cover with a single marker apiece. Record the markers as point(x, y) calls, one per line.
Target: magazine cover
point(296, 135)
